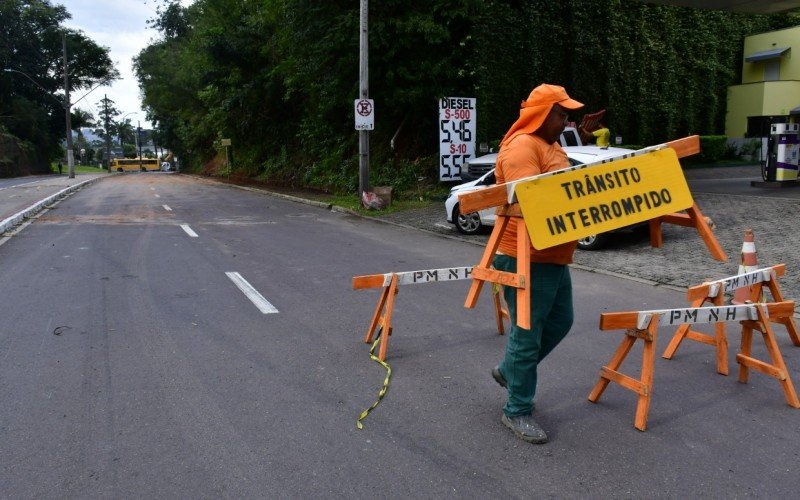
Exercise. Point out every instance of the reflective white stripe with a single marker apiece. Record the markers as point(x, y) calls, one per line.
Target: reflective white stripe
point(748, 247)
point(748, 276)
point(188, 230)
point(251, 293)
point(695, 315)
point(429, 276)
point(166, 207)
point(157, 195)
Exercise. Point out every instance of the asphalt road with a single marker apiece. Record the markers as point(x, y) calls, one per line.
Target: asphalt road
point(132, 366)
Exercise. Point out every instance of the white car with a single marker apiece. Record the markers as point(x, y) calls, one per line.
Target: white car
point(475, 222)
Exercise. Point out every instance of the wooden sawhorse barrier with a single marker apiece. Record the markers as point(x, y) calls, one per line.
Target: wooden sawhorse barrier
point(507, 214)
point(391, 281)
point(644, 325)
point(714, 292)
point(503, 196)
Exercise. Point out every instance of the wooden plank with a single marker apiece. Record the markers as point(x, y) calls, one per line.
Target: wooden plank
point(699, 292)
point(618, 320)
point(625, 381)
point(486, 260)
point(648, 369)
point(387, 319)
point(780, 309)
point(686, 146)
point(376, 317)
point(368, 281)
point(766, 369)
point(481, 199)
point(616, 360)
point(701, 337)
point(702, 226)
point(523, 319)
point(656, 234)
point(678, 219)
point(777, 360)
point(500, 277)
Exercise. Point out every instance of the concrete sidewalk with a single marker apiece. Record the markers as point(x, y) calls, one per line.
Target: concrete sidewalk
point(21, 197)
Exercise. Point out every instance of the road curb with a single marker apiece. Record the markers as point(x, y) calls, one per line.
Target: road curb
point(10, 222)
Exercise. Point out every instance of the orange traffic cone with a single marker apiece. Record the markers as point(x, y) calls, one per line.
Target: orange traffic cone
point(741, 295)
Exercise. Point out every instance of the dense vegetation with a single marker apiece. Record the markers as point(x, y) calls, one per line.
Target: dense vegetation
point(278, 77)
point(32, 116)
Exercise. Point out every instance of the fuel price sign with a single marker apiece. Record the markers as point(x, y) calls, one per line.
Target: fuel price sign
point(457, 119)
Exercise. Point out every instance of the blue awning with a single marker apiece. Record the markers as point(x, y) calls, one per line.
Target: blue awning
point(766, 54)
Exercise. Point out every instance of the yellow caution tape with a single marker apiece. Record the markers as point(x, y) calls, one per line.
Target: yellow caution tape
point(385, 387)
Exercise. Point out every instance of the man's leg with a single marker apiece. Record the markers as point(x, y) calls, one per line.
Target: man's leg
point(561, 315)
point(523, 347)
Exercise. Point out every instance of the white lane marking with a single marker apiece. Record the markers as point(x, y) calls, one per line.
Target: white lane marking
point(188, 230)
point(152, 189)
point(157, 195)
point(166, 207)
point(251, 293)
point(21, 184)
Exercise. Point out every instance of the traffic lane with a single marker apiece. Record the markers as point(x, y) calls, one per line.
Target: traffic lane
point(137, 411)
point(442, 414)
point(431, 344)
point(153, 379)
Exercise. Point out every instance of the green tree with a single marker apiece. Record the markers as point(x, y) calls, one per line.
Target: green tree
point(31, 96)
point(280, 76)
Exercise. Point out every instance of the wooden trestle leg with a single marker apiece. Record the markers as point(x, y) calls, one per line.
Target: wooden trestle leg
point(642, 387)
point(777, 369)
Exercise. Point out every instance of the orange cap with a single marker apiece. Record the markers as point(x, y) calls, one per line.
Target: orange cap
point(535, 109)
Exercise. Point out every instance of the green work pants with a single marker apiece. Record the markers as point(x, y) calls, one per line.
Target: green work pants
point(551, 319)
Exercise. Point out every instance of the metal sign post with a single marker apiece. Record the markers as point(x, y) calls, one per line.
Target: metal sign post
point(363, 134)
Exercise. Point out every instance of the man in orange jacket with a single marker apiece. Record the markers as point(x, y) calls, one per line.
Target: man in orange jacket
point(531, 147)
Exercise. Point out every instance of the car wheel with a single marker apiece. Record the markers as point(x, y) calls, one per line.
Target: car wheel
point(593, 242)
point(467, 224)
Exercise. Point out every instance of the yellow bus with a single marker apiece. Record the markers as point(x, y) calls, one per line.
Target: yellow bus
point(133, 164)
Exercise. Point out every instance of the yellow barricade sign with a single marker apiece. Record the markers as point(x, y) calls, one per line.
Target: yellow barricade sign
point(572, 205)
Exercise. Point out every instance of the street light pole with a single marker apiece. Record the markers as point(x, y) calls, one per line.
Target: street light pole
point(67, 106)
point(139, 141)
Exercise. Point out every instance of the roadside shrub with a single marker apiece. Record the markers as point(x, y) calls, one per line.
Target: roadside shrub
point(712, 148)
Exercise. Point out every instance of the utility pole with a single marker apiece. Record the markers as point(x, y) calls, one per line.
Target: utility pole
point(70, 158)
point(108, 136)
point(139, 141)
point(363, 135)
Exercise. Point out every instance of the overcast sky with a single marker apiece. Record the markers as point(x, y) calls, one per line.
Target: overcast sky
point(120, 26)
